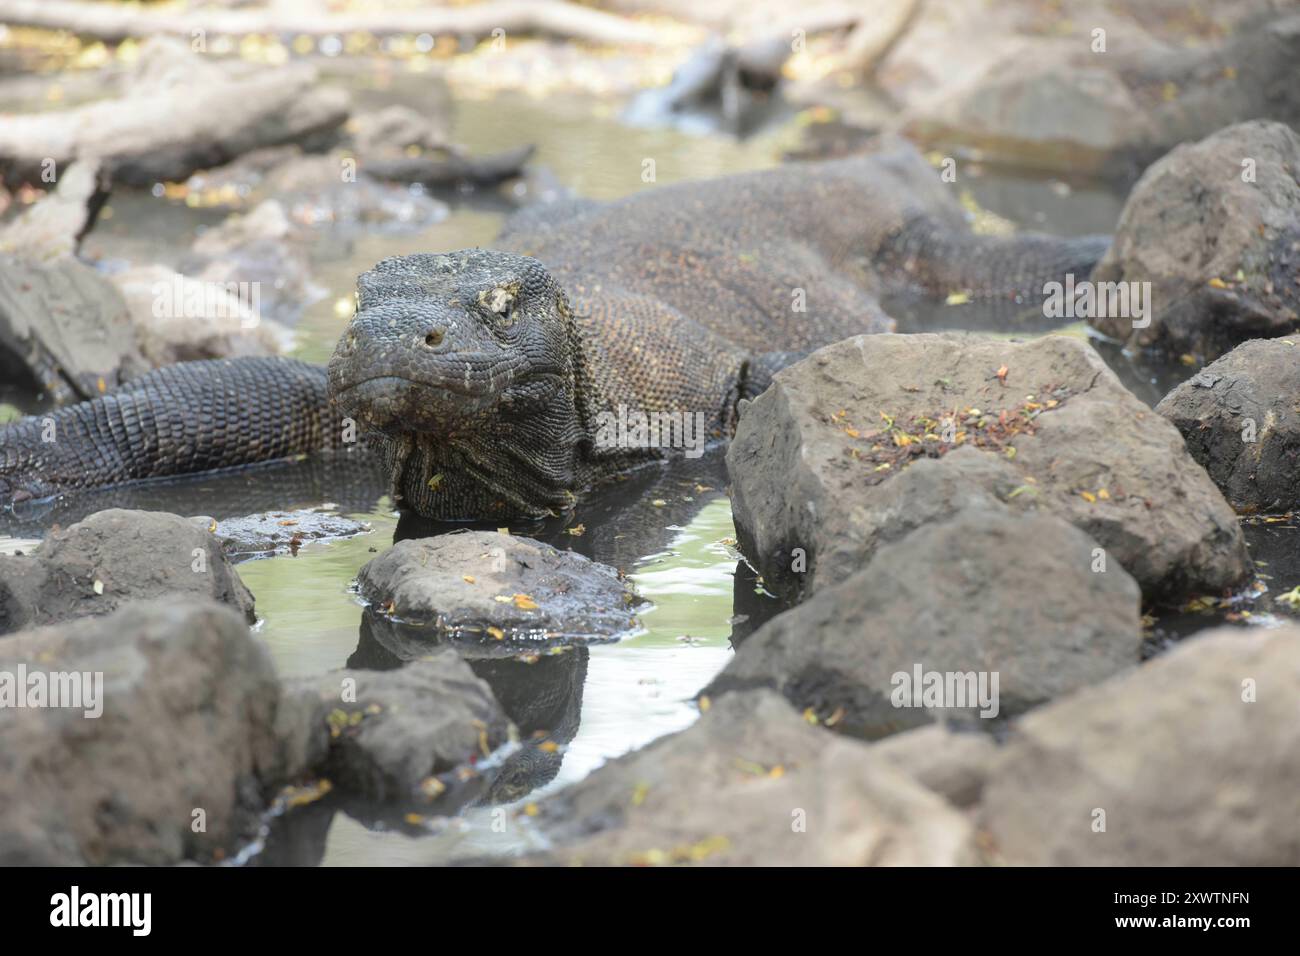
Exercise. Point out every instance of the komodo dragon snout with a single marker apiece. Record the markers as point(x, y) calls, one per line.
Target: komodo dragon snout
point(440, 341)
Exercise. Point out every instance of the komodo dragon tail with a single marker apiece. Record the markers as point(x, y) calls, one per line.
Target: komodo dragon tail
point(178, 420)
point(942, 261)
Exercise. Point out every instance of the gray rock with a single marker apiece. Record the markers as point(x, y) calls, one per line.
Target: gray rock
point(179, 318)
point(953, 764)
point(394, 129)
point(750, 783)
point(257, 248)
point(388, 735)
point(188, 702)
point(986, 593)
point(280, 532)
point(488, 587)
point(65, 328)
point(1188, 768)
point(1240, 418)
point(807, 462)
point(1055, 103)
point(110, 559)
point(1222, 254)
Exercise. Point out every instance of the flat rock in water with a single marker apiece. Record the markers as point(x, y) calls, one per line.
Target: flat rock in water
point(389, 735)
point(1193, 759)
point(751, 782)
point(185, 724)
point(112, 558)
point(986, 595)
point(488, 586)
point(1214, 227)
point(1240, 417)
point(815, 456)
point(280, 532)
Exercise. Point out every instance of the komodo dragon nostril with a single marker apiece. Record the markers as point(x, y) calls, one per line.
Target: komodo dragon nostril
point(434, 338)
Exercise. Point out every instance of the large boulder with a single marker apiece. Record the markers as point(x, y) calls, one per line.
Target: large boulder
point(749, 783)
point(112, 558)
point(1106, 103)
point(1214, 227)
point(815, 456)
point(389, 735)
point(488, 587)
point(1240, 417)
point(64, 330)
point(1192, 759)
point(1015, 605)
point(172, 757)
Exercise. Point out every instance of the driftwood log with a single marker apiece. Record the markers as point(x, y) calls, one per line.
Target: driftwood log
point(168, 131)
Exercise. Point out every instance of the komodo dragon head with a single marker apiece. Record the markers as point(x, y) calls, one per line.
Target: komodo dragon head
point(470, 367)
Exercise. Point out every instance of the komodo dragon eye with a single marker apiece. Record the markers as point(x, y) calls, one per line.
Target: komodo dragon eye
point(502, 302)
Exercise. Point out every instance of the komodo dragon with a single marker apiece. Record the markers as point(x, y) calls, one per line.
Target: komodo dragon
point(480, 375)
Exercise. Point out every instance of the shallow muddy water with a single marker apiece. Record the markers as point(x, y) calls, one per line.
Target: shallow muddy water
point(669, 530)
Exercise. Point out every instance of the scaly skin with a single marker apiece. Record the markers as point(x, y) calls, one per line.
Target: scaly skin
point(483, 374)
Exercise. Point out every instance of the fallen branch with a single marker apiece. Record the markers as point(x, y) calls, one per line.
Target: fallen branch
point(169, 133)
point(113, 23)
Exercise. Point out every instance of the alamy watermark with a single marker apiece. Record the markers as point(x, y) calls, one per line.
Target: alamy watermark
point(78, 690)
point(185, 298)
point(1094, 300)
point(631, 428)
point(940, 690)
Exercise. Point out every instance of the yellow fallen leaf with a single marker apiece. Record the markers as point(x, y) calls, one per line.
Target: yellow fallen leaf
point(1089, 497)
point(497, 633)
point(958, 298)
point(1218, 283)
point(525, 603)
point(468, 578)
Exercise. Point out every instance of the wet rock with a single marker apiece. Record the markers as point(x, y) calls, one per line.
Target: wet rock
point(952, 764)
point(1214, 227)
point(541, 693)
point(986, 594)
point(1063, 104)
point(220, 324)
point(331, 191)
point(808, 463)
point(113, 558)
point(749, 783)
point(395, 129)
point(389, 735)
point(255, 255)
point(1190, 760)
point(490, 587)
point(280, 532)
point(64, 330)
point(1240, 417)
point(187, 706)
